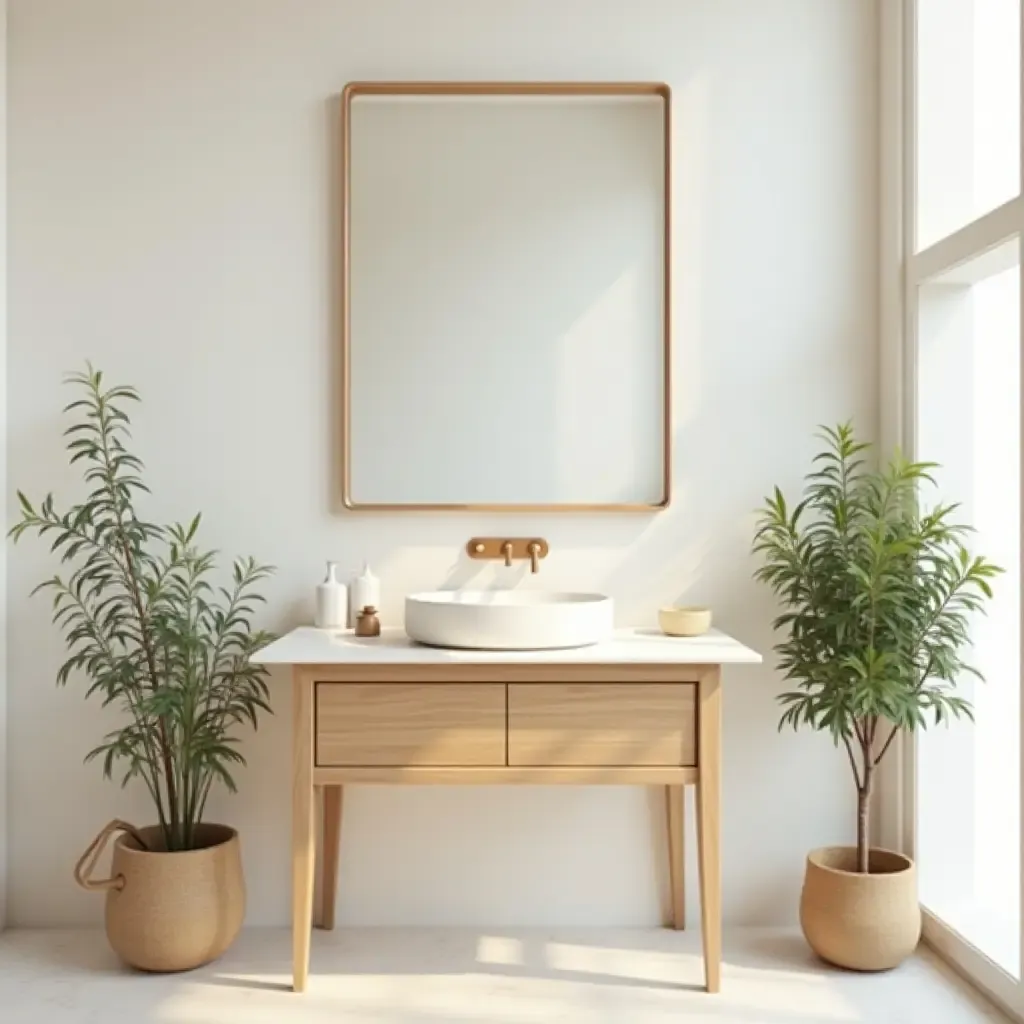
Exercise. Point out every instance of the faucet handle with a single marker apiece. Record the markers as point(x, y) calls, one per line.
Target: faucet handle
point(534, 551)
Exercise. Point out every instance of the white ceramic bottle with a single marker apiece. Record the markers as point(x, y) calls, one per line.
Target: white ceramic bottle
point(365, 590)
point(331, 601)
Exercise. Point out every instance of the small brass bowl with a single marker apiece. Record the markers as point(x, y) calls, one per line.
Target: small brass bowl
point(691, 621)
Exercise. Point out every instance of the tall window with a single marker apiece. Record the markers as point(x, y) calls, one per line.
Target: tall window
point(963, 218)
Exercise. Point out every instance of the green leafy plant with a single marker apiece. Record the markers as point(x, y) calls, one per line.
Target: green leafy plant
point(877, 596)
point(152, 634)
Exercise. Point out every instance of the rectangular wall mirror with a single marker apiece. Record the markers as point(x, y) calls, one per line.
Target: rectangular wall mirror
point(506, 301)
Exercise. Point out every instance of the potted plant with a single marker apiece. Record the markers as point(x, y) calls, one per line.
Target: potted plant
point(153, 637)
point(877, 597)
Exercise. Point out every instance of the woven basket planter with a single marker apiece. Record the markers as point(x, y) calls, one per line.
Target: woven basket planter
point(169, 911)
point(865, 922)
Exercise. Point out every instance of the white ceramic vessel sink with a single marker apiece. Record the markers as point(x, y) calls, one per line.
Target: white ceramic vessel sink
point(508, 620)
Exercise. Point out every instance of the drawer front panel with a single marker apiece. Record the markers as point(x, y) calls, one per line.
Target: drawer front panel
point(400, 724)
point(632, 724)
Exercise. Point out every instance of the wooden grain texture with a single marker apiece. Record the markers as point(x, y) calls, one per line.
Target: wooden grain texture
point(331, 855)
point(303, 827)
point(709, 799)
point(675, 809)
point(404, 724)
point(594, 775)
point(426, 674)
point(603, 724)
point(590, 722)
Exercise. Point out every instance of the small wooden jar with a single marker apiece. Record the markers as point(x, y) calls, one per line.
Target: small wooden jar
point(368, 624)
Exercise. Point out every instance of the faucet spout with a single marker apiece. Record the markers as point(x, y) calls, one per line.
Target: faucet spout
point(534, 549)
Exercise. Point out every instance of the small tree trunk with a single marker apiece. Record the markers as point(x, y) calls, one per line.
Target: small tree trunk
point(863, 825)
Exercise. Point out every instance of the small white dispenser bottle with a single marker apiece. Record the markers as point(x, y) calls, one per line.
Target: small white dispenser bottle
point(365, 591)
point(331, 601)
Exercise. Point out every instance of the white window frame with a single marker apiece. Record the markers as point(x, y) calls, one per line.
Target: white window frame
point(902, 272)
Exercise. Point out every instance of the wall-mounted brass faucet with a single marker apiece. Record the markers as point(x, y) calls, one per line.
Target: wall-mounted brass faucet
point(533, 548)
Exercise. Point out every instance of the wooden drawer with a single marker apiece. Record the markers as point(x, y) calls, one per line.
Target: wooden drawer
point(629, 724)
point(397, 724)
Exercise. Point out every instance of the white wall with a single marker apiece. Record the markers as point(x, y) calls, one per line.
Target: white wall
point(174, 202)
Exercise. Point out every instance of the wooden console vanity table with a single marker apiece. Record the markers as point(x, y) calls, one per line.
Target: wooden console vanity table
point(642, 709)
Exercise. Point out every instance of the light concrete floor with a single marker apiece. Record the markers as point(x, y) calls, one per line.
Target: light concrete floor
point(426, 976)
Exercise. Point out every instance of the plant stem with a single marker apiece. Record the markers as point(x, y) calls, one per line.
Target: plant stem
point(188, 719)
point(147, 647)
point(863, 822)
point(153, 784)
point(853, 762)
point(207, 783)
point(204, 781)
point(886, 744)
point(140, 611)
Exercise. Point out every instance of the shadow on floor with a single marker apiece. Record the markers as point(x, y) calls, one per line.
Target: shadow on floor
point(432, 976)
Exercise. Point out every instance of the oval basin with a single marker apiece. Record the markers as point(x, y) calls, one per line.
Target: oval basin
point(508, 620)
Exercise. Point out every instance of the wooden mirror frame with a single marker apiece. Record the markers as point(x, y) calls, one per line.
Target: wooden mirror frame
point(353, 91)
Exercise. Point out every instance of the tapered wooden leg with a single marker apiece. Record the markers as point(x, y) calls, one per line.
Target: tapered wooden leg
point(709, 797)
point(675, 810)
point(303, 828)
point(331, 851)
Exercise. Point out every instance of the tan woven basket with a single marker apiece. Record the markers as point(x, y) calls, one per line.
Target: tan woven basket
point(865, 922)
point(168, 911)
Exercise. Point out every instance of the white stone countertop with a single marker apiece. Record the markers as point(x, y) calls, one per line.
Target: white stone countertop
point(310, 646)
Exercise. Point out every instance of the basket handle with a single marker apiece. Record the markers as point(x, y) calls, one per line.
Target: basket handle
point(87, 862)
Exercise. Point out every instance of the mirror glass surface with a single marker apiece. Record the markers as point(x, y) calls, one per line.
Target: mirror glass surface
point(506, 308)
